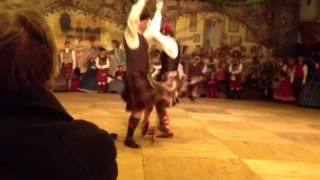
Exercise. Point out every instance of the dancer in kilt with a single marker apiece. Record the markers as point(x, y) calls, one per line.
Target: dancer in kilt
point(68, 63)
point(167, 85)
point(138, 93)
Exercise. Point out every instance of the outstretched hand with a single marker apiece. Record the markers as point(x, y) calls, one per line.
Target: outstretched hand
point(159, 4)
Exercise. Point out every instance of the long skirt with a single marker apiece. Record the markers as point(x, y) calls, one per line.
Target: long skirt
point(310, 96)
point(284, 93)
point(116, 86)
point(88, 81)
point(297, 86)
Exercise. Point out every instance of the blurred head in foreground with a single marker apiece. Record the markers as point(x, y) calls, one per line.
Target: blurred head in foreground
point(27, 50)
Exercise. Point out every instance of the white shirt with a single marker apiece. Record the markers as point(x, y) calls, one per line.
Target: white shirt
point(237, 71)
point(152, 33)
point(106, 66)
point(74, 62)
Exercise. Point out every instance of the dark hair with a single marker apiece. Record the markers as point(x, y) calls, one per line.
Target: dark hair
point(116, 42)
point(27, 50)
point(102, 49)
point(145, 15)
point(236, 53)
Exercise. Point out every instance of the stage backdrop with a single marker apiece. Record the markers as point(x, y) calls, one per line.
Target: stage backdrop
point(272, 23)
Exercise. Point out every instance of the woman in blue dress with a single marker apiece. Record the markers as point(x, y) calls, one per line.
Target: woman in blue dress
point(88, 81)
point(310, 96)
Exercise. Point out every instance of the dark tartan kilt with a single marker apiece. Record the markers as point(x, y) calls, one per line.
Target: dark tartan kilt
point(67, 71)
point(138, 92)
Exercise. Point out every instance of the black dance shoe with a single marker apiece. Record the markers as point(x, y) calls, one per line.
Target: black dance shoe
point(131, 144)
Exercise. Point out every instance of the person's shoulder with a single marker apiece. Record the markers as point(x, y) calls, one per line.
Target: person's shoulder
point(84, 131)
point(89, 127)
point(94, 146)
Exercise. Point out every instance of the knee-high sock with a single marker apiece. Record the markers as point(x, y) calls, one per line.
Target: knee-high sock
point(133, 123)
point(164, 120)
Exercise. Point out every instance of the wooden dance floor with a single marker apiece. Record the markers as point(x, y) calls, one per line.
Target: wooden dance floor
point(213, 139)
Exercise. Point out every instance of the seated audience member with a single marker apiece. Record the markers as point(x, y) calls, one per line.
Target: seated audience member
point(39, 139)
point(117, 84)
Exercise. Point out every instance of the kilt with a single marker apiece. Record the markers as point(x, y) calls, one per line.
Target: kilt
point(138, 92)
point(102, 76)
point(169, 87)
point(67, 71)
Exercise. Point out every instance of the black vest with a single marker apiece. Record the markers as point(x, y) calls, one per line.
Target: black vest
point(168, 64)
point(138, 59)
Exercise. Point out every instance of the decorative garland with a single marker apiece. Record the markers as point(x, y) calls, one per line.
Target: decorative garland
point(235, 2)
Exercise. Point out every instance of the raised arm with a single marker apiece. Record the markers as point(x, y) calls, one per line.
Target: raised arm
point(167, 44)
point(132, 29)
point(155, 24)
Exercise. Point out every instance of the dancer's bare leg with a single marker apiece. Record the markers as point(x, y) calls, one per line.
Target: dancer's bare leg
point(146, 120)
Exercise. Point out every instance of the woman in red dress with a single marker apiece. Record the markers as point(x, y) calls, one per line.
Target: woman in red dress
point(212, 86)
point(102, 64)
point(284, 92)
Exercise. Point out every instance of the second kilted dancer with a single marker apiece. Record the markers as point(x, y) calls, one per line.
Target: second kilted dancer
point(168, 84)
point(139, 34)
